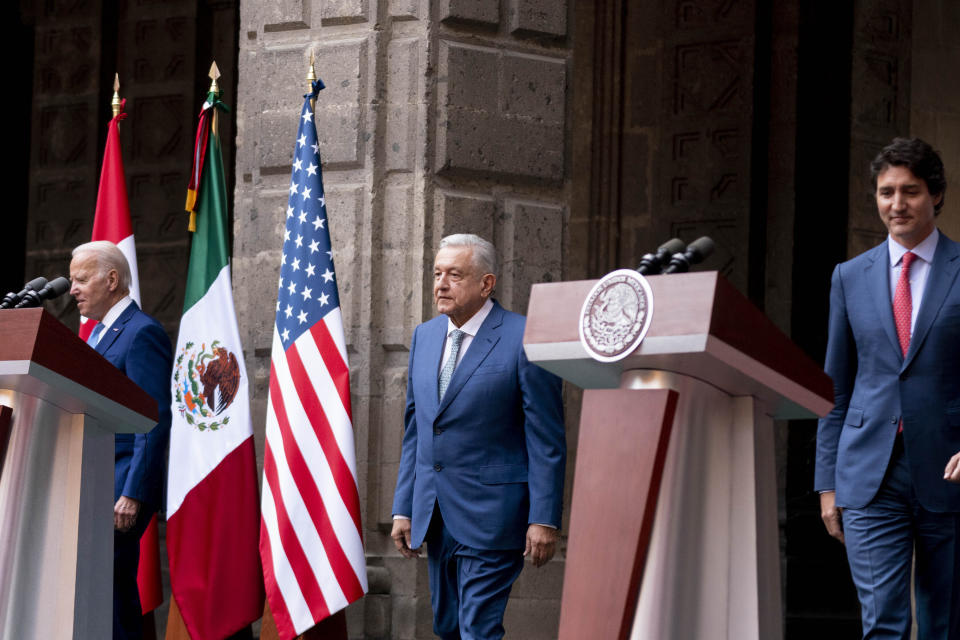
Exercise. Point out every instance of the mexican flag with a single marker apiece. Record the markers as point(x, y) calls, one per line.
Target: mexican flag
point(213, 515)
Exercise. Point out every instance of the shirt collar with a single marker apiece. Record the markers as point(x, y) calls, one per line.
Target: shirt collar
point(111, 316)
point(472, 326)
point(924, 250)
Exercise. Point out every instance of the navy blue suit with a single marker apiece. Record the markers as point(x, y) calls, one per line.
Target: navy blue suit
point(137, 345)
point(892, 488)
point(488, 459)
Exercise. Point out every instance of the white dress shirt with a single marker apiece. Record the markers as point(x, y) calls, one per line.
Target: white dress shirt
point(470, 328)
point(919, 269)
point(111, 316)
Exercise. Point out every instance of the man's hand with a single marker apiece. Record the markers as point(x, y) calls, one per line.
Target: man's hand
point(125, 513)
point(952, 472)
point(401, 538)
point(830, 514)
point(541, 544)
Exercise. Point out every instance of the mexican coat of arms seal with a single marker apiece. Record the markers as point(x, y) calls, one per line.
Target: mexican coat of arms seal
point(616, 315)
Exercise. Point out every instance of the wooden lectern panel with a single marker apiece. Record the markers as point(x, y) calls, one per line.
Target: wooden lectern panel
point(624, 435)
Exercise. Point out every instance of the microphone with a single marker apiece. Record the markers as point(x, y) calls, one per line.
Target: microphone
point(12, 299)
point(650, 264)
point(53, 289)
point(696, 252)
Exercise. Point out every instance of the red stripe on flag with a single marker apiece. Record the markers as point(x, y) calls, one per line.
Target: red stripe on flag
point(278, 606)
point(313, 407)
point(111, 218)
point(291, 544)
point(214, 565)
point(334, 361)
point(342, 569)
point(148, 569)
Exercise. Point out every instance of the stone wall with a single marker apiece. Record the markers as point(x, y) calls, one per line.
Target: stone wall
point(935, 99)
point(438, 117)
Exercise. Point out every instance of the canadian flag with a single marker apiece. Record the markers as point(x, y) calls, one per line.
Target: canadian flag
point(111, 221)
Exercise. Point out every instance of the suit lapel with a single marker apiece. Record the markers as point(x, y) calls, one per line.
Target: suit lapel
point(110, 335)
point(429, 365)
point(878, 276)
point(943, 272)
point(483, 342)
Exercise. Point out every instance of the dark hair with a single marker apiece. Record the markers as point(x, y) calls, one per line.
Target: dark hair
point(917, 156)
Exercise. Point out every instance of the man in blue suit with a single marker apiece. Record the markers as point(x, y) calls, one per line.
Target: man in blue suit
point(481, 471)
point(136, 344)
point(884, 452)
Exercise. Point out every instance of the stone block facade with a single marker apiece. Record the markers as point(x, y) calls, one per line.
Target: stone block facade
point(437, 118)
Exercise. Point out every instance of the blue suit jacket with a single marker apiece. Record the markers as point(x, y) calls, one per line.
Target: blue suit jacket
point(875, 385)
point(137, 345)
point(492, 453)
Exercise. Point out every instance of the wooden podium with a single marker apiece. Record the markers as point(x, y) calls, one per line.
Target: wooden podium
point(673, 526)
point(64, 402)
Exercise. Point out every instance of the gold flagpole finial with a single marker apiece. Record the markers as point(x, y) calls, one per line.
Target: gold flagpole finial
point(214, 74)
point(115, 103)
point(311, 77)
point(215, 89)
point(311, 73)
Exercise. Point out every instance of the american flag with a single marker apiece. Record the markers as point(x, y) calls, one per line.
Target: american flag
point(311, 543)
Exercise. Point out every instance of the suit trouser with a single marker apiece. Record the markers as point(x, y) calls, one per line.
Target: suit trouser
point(883, 540)
point(469, 588)
point(127, 615)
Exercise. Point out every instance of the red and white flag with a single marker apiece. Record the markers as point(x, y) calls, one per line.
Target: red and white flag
point(111, 221)
point(311, 543)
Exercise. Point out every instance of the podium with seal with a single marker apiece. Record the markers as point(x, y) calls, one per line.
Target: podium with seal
point(673, 525)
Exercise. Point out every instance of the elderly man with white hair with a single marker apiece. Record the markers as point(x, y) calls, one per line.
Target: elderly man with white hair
point(136, 344)
point(481, 472)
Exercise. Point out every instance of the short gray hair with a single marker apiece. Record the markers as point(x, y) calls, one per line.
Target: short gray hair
point(108, 257)
point(484, 253)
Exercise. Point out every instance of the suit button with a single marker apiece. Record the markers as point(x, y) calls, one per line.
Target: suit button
point(893, 420)
point(437, 431)
point(438, 467)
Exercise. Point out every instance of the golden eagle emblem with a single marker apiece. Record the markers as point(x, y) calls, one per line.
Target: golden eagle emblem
point(205, 384)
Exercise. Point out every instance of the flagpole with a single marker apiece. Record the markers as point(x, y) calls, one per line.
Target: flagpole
point(311, 77)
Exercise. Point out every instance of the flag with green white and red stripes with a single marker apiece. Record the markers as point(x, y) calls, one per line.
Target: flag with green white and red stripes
point(213, 514)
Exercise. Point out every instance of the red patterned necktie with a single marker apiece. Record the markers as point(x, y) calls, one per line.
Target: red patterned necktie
point(903, 303)
point(903, 309)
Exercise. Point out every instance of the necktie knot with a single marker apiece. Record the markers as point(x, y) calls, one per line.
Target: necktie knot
point(908, 259)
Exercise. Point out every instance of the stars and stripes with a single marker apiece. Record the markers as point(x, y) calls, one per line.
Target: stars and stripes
point(311, 543)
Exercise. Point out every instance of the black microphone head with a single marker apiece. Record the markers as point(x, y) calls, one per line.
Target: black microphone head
point(55, 288)
point(13, 299)
point(700, 248)
point(671, 246)
point(35, 285)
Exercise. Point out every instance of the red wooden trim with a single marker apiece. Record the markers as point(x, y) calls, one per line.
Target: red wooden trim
point(34, 334)
point(624, 435)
